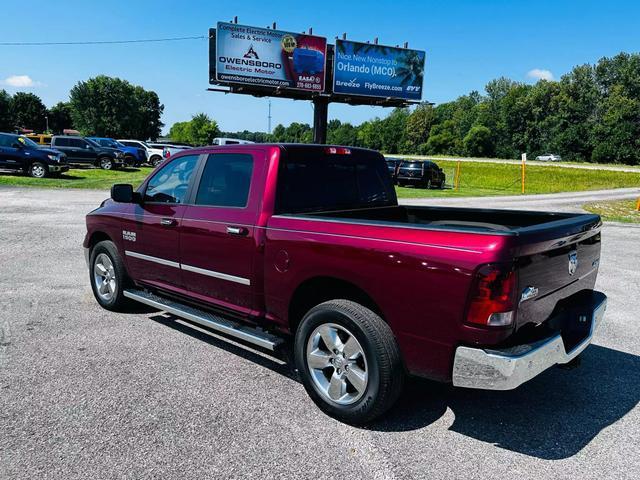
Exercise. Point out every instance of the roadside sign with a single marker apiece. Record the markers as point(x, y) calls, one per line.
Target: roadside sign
point(269, 58)
point(524, 157)
point(372, 70)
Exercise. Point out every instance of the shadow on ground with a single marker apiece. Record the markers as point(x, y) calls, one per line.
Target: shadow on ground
point(551, 417)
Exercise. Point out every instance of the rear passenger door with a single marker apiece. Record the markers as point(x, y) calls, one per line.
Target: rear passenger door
point(217, 237)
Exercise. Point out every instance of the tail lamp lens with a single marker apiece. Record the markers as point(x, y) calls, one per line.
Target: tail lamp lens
point(492, 301)
point(337, 151)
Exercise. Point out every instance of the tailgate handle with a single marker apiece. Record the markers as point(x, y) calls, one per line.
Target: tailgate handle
point(237, 231)
point(167, 222)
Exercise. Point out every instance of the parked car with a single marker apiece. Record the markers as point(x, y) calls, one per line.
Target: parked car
point(169, 149)
point(263, 242)
point(230, 141)
point(18, 152)
point(40, 138)
point(421, 174)
point(81, 150)
point(133, 156)
point(549, 157)
point(392, 166)
point(153, 155)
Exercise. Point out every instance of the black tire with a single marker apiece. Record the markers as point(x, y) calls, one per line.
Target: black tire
point(105, 163)
point(428, 185)
point(129, 161)
point(118, 302)
point(155, 160)
point(38, 170)
point(401, 183)
point(383, 361)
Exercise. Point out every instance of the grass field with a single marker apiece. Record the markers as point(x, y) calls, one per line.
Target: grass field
point(615, 210)
point(476, 179)
point(482, 179)
point(79, 178)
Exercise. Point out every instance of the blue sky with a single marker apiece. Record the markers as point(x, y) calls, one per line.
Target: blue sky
point(467, 44)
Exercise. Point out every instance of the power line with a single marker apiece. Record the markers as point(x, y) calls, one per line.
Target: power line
point(103, 42)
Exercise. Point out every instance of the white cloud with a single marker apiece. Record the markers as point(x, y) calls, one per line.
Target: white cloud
point(540, 74)
point(21, 81)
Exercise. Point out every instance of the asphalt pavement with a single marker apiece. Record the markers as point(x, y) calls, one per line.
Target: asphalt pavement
point(86, 393)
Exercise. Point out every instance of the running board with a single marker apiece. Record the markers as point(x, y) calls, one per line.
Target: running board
point(215, 322)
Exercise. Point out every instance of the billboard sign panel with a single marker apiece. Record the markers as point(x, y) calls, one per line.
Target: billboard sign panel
point(270, 58)
point(371, 70)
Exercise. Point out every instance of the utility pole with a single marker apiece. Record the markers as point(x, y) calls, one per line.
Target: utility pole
point(46, 118)
point(269, 119)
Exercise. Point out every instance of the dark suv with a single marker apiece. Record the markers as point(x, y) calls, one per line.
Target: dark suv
point(17, 152)
point(420, 173)
point(83, 150)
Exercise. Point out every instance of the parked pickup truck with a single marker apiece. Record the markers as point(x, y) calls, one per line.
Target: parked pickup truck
point(307, 246)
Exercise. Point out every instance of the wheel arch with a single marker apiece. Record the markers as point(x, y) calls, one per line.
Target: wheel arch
point(315, 290)
point(97, 237)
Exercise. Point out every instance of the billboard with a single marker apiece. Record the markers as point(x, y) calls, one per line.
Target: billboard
point(371, 70)
point(270, 58)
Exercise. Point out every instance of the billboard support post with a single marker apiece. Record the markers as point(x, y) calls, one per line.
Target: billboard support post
point(320, 119)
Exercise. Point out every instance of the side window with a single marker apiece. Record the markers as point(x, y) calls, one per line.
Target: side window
point(171, 183)
point(4, 141)
point(76, 142)
point(61, 142)
point(225, 180)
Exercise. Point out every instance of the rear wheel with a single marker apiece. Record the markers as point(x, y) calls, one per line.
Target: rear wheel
point(108, 277)
point(156, 160)
point(106, 163)
point(38, 170)
point(349, 361)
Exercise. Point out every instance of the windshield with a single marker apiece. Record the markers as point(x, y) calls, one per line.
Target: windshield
point(92, 142)
point(28, 142)
point(117, 144)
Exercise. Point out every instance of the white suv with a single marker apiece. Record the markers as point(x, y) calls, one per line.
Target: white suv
point(154, 155)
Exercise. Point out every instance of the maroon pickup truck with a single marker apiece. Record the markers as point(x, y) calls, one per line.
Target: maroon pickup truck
point(307, 246)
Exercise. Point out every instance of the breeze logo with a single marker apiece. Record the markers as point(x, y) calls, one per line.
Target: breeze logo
point(251, 53)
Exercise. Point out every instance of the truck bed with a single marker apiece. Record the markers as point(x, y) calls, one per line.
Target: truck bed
point(506, 222)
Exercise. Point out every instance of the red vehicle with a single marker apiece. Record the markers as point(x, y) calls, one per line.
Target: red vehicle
point(276, 243)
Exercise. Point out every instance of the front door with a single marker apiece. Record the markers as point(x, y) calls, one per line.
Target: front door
point(151, 231)
point(217, 240)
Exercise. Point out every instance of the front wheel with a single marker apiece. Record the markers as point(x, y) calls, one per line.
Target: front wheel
point(106, 163)
point(156, 160)
point(38, 170)
point(108, 276)
point(349, 361)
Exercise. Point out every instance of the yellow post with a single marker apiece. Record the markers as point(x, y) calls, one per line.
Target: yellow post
point(524, 163)
point(456, 179)
point(638, 205)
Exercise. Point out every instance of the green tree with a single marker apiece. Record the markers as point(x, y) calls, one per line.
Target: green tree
point(478, 142)
point(28, 111)
point(112, 107)
point(442, 139)
point(7, 122)
point(339, 133)
point(200, 130)
point(60, 117)
point(418, 126)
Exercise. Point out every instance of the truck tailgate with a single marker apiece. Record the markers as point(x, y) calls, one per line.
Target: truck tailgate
point(555, 262)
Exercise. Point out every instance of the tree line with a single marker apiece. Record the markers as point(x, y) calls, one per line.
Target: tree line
point(101, 106)
point(591, 114)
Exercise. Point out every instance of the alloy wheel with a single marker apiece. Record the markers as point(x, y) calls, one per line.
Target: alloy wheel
point(104, 277)
point(337, 364)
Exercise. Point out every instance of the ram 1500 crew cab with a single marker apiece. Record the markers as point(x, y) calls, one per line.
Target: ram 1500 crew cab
point(269, 243)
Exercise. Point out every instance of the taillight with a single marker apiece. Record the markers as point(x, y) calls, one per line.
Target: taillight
point(337, 151)
point(492, 301)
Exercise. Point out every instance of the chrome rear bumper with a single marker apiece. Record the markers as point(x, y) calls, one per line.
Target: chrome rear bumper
point(508, 368)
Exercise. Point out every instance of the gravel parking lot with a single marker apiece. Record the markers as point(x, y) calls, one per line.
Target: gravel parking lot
point(86, 393)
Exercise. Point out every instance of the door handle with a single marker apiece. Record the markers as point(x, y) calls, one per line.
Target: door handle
point(237, 231)
point(167, 222)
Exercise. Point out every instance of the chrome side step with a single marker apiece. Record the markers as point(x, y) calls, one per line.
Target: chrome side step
point(251, 335)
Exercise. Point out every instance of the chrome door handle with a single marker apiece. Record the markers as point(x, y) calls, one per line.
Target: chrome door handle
point(167, 222)
point(237, 230)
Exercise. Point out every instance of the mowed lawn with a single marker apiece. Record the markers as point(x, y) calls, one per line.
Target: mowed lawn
point(482, 179)
point(476, 179)
point(92, 178)
point(616, 210)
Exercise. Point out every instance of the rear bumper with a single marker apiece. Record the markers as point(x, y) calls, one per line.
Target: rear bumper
point(506, 369)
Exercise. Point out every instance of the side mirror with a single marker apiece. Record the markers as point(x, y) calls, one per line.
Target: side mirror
point(123, 193)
